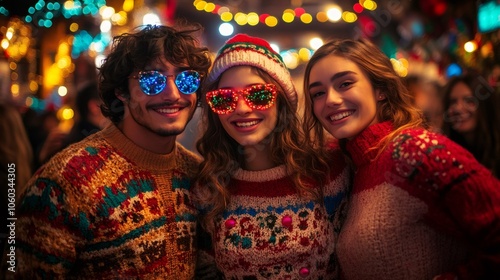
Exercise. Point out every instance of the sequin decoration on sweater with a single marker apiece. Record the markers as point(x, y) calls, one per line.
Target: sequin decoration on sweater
point(423, 208)
point(98, 212)
point(268, 232)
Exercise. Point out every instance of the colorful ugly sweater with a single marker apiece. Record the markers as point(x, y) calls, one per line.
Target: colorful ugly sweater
point(268, 232)
point(424, 207)
point(105, 208)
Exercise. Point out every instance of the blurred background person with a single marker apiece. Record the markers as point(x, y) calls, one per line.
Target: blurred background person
point(15, 149)
point(88, 114)
point(427, 97)
point(50, 137)
point(472, 118)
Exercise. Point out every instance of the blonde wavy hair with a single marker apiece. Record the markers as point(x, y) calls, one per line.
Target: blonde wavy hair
point(396, 107)
point(221, 160)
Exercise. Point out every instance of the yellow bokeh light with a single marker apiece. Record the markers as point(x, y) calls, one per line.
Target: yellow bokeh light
point(68, 114)
point(369, 5)
point(253, 19)
point(53, 77)
point(399, 67)
point(210, 7)
point(349, 17)
point(14, 88)
point(128, 5)
point(33, 86)
point(63, 48)
point(13, 66)
point(64, 62)
point(226, 16)
point(306, 18)
point(65, 113)
point(200, 6)
point(304, 54)
point(240, 18)
point(120, 18)
point(271, 21)
point(74, 27)
point(288, 17)
point(404, 62)
point(321, 17)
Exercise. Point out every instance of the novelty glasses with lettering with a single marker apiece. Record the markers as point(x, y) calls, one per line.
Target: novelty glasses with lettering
point(223, 101)
point(154, 82)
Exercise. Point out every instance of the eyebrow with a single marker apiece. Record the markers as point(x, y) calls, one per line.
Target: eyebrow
point(332, 78)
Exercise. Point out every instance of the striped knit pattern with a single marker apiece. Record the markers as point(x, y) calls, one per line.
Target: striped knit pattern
point(253, 51)
point(106, 209)
point(418, 210)
point(268, 232)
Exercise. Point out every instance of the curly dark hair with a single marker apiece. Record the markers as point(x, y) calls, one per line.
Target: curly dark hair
point(134, 51)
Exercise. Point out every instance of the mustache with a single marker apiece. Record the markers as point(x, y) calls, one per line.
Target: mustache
point(168, 104)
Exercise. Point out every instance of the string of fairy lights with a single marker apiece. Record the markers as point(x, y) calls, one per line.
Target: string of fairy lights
point(330, 13)
point(19, 43)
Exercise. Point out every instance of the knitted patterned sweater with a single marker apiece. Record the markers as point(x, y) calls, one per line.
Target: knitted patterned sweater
point(105, 208)
point(268, 232)
point(424, 207)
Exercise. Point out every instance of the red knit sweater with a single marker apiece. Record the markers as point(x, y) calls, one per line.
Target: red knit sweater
point(424, 207)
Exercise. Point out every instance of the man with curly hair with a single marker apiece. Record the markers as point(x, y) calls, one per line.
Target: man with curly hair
point(117, 205)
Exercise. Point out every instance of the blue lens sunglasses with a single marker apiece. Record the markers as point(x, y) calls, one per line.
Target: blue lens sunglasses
point(154, 82)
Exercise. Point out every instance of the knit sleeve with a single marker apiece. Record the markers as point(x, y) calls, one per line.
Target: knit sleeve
point(462, 190)
point(46, 236)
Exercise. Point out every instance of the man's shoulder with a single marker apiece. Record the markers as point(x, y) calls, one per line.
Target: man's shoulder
point(89, 147)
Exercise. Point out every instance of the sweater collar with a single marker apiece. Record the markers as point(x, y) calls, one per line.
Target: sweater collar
point(270, 174)
point(360, 147)
point(141, 157)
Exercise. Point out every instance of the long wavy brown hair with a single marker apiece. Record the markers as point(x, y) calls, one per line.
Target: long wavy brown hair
point(396, 107)
point(223, 156)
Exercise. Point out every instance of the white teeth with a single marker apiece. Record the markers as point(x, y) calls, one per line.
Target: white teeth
point(168, 111)
point(246, 124)
point(340, 116)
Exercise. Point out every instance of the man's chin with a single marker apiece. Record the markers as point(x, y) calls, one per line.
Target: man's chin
point(170, 131)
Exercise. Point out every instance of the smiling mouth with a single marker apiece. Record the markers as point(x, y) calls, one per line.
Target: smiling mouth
point(246, 124)
point(339, 116)
point(167, 110)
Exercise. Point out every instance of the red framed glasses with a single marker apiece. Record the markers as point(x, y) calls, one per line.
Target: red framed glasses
point(223, 101)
